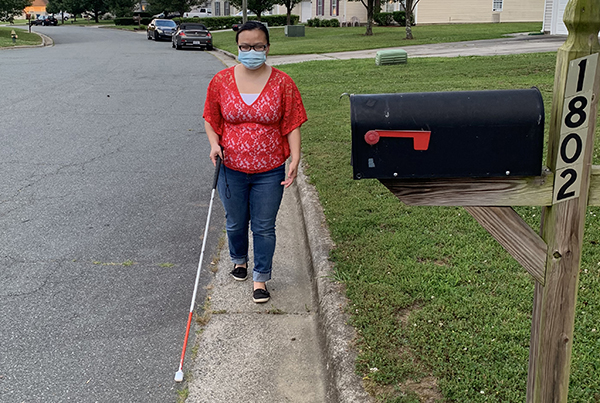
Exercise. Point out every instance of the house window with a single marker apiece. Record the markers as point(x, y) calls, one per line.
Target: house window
point(320, 7)
point(217, 8)
point(497, 5)
point(226, 10)
point(335, 10)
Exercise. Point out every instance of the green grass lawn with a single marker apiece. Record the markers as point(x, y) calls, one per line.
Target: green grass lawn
point(24, 37)
point(324, 40)
point(435, 299)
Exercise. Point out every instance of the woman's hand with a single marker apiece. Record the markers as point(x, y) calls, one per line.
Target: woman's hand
point(294, 141)
point(213, 139)
point(215, 150)
point(292, 173)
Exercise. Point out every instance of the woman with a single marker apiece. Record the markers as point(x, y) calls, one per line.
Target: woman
point(253, 114)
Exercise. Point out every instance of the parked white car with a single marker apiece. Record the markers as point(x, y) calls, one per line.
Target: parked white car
point(252, 14)
point(199, 12)
point(60, 15)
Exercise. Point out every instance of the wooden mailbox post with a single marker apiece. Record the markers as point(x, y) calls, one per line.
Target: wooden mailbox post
point(564, 190)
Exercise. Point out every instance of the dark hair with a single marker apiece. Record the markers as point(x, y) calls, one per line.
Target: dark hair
point(252, 25)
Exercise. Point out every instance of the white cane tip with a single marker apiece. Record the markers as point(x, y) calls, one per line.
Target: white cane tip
point(179, 376)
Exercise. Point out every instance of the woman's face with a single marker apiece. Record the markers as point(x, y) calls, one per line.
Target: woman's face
point(253, 37)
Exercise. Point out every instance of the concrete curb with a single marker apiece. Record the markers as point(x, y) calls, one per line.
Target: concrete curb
point(336, 335)
point(46, 40)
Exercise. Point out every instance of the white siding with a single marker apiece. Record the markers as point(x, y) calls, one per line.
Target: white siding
point(558, 11)
point(348, 9)
point(471, 11)
point(547, 25)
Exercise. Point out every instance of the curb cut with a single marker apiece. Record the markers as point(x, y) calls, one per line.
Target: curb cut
point(335, 334)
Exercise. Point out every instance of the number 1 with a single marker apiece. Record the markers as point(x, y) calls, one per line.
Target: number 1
point(582, 66)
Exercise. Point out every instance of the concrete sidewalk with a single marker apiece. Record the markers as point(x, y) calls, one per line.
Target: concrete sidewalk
point(520, 43)
point(297, 347)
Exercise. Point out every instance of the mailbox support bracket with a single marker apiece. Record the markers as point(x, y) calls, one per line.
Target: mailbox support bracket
point(516, 236)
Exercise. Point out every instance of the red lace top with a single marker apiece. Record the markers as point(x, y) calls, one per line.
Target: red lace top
point(254, 137)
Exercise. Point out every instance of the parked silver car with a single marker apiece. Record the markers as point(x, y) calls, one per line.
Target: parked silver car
point(192, 34)
point(161, 29)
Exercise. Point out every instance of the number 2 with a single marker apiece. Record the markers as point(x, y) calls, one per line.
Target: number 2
point(562, 192)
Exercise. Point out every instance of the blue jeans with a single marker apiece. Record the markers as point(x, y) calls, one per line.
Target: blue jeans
point(252, 199)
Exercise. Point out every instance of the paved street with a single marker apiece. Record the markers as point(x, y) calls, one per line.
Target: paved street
point(104, 191)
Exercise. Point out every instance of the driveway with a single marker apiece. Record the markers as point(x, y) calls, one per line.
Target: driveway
point(104, 190)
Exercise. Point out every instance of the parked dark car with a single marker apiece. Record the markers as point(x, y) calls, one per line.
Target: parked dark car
point(44, 20)
point(161, 29)
point(192, 34)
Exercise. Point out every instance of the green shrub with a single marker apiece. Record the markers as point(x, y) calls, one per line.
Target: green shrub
point(279, 20)
point(383, 19)
point(131, 21)
point(334, 22)
point(144, 14)
point(400, 17)
point(315, 22)
point(214, 23)
point(125, 21)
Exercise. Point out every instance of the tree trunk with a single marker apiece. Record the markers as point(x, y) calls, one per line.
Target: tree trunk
point(96, 17)
point(289, 16)
point(409, 18)
point(369, 31)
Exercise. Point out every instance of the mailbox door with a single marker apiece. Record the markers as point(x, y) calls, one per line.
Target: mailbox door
point(470, 134)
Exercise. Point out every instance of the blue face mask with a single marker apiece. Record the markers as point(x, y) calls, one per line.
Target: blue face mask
point(252, 59)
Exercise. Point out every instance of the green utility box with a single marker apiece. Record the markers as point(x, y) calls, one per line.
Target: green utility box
point(294, 30)
point(394, 56)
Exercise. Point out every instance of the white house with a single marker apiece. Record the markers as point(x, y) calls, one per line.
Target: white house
point(430, 11)
point(427, 11)
point(553, 17)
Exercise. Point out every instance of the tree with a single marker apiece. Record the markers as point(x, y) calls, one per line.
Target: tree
point(56, 7)
point(289, 4)
point(121, 8)
point(171, 6)
point(410, 6)
point(97, 7)
point(258, 7)
point(12, 8)
point(74, 7)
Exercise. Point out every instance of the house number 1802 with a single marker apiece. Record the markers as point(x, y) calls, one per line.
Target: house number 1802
point(574, 128)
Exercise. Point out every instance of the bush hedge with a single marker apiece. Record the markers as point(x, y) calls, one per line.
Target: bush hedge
point(217, 22)
point(383, 19)
point(317, 22)
point(400, 17)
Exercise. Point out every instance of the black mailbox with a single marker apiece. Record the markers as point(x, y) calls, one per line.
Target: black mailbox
point(447, 134)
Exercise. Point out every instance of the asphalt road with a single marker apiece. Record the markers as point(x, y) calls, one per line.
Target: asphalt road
point(104, 190)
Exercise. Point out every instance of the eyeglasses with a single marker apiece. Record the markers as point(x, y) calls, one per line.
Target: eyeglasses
point(258, 48)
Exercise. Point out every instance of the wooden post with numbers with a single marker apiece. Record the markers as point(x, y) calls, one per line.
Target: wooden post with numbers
point(564, 190)
point(570, 150)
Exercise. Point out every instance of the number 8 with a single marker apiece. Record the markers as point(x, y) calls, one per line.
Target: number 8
point(574, 110)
